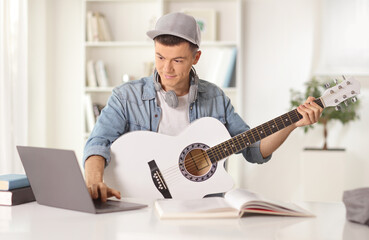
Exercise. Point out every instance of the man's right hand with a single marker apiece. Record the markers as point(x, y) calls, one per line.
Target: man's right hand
point(94, 170)
point(102, 191)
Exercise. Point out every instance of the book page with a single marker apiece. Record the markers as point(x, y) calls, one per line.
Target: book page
point(247, 201)
point(238, 197)
point(205, 207)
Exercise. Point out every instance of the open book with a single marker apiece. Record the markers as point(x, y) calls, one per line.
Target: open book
point(235, 203)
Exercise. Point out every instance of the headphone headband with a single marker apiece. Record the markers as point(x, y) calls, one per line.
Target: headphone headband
point(170, 97)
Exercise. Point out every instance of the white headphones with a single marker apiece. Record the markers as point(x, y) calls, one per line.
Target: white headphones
point(170, 97)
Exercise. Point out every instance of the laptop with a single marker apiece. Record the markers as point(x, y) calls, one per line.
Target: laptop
point(56, 180)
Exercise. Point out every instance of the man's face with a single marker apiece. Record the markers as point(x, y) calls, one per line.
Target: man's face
point(173, 64)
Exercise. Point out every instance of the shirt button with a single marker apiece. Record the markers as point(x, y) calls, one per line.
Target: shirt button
point(156, 115)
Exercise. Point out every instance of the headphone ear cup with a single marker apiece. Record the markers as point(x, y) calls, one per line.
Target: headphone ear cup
point(192, 95)
point(157, 86)
point(171, 99)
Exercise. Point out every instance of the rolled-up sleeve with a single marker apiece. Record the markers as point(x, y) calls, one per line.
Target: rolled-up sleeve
point(109, 126)
point(235, 126)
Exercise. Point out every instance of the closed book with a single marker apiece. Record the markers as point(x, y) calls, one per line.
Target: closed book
point(104, 31)
point(95, 28)
point(89, 111)
point(12, 181)
point(89, 30)
point(101, 75)
point(16, 196)
point(91, 76)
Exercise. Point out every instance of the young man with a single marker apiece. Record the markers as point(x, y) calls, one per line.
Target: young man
point(169, 101)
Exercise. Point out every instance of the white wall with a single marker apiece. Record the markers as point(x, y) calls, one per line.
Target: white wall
point(280, 37)
point(55, 60)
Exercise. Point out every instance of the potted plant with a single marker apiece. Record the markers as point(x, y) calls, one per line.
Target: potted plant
point(322, 172)
point(316, 89)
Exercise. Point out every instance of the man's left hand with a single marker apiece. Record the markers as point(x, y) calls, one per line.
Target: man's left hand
point(310, 111)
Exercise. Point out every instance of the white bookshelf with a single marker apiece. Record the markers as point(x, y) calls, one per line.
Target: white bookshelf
point(130, 48)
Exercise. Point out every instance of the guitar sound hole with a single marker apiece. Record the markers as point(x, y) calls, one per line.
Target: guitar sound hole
point(195, 164)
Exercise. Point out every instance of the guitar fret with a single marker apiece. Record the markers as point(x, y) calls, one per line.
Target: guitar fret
point(268, 130)
point(275, 125)
point(218, 156)
point(287, 120)
point(319, 102)
point(281, 120)
point(249, 140)
point(261, 132)
point(226, 147)
point(298, 115)
point(271, 126)
point(234, 146)
point(250, 135)
point(289, 117)
point(243, 141)
point(240, 143)
point(255, 134)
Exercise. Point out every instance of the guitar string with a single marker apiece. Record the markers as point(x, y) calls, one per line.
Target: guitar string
point(218, 151)
point(279, 123)
point(172, 179)
point(227, 145)
point(219, 148)
point(192, 166)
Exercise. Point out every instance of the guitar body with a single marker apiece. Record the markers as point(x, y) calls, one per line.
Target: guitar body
point(144, 163)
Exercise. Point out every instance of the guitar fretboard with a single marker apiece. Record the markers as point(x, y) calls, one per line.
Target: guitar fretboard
point(245, 139)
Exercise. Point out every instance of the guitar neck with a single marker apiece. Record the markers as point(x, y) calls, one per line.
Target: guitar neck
point(245, 139)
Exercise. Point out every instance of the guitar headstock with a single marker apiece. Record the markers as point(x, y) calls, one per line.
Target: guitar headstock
point(341, 92)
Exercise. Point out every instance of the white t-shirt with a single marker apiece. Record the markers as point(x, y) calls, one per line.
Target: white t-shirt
point(173, 120)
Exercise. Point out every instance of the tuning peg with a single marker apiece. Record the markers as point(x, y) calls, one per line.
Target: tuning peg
point(327, 85)
point(343, 76)
point(346, 103)
point(335, 81)
point(354, 99)
point(338, 108)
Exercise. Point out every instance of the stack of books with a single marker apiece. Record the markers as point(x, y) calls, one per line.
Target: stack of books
point(15, 189)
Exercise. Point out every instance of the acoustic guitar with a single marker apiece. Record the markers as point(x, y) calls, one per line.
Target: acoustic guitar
point(191, 165)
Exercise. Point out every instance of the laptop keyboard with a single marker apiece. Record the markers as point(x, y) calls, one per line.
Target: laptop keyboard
point(107, 205)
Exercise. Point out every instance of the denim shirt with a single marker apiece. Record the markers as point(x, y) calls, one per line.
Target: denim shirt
point(133, 107)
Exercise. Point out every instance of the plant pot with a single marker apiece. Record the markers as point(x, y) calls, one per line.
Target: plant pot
point(322, 174)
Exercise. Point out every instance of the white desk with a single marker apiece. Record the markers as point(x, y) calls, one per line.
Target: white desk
point(34, 221)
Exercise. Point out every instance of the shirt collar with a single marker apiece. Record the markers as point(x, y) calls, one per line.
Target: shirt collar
point(149, 89)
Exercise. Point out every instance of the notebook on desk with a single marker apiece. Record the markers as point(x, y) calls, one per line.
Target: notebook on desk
point(57, 181)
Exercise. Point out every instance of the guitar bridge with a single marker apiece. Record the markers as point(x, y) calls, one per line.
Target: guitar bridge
point(158, 180)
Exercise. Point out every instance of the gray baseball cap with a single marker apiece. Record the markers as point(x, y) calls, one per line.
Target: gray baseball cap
point(177, 24)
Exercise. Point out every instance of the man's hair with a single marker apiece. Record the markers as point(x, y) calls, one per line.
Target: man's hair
point(170, 40)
